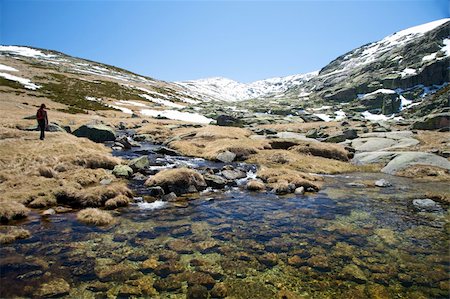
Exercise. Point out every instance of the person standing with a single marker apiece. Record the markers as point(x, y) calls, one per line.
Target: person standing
point(41, 116)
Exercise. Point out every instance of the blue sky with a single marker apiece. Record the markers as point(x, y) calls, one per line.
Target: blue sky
point(182, 40)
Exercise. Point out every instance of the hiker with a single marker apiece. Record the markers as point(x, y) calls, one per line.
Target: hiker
point(41, 116)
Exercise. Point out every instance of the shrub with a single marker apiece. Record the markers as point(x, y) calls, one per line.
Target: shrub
point(95, 216)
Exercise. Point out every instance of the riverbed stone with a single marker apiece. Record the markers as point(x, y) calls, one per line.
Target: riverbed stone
point(220, 290)
point(353, 272)
point(426, 204)
point(123, 171)
point(215, 181)
point(167, 284)
point(139, 164)
point(269, 259)
point(382, 183)
point(55, 288)
point(226, 157)
point(233, 174)
point(197, 292)
point(170, 267)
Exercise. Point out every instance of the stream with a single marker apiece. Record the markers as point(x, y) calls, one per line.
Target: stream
point(346, 241)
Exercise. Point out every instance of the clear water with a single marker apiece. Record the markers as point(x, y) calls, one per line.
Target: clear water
point(343, 242)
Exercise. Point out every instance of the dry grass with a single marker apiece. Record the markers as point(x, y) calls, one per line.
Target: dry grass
point(12, 233)
point(325, 150)
point(283, 180)
point(90, 197)
point(255, 185)
point(10, 210)
point(43, 201)
point(430, 140)
point(425, 172)
point(117, 202)
point(177, 180)
point(301, 162)
point(63, 167)
point(95, 216)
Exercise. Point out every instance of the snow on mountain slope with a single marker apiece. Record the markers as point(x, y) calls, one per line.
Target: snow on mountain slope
point(223, 89)
point(370, 53)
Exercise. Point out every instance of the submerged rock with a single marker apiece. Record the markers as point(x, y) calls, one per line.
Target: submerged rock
point(55, 288)
point(426, 204)
point(353, 272)
point(197, 292)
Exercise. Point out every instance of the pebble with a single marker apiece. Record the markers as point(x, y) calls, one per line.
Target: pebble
point(382, 183)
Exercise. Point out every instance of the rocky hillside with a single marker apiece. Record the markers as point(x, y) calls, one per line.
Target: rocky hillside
point(386, 76)
point(398, 74)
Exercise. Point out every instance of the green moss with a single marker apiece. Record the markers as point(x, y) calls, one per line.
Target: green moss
point(73, 92)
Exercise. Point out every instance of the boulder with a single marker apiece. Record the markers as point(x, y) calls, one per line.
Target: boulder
point(226, 120)
point(139, 164)
point(226, 157)
point(233, 174)
point(405, 159)
point(166, 151)
point(124, 141)
point(433, 122)
point(96, 133)
point(124, 171)
point(427, 205)
point(215, 181)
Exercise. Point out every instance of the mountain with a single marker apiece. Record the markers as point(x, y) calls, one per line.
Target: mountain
point(398, 74)
point(385, 76)
point(223, 89)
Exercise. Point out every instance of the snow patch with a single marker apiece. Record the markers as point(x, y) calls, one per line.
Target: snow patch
point(323, 117)
point(408, 72)
point(123, 109)
point(24, 51)
point(340, 115)
point(7, 68)
point(446, 47)
point(375, 117)
point(177, 115)
point(430, 57)
point(25, 82)
point(132, 103)
point(161, 101)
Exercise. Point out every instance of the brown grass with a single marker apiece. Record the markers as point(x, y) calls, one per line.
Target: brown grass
point(12, 233)
point(43, 202)
point(116, 202)
point(280, 179)
point(95, 216)
point(430, 140)
point(10, 210)
point(176, 180)
point(301, 162)
point(63, 167)
point(255, 185)
point(90, 197)
point(325, 150)
point(425, 172)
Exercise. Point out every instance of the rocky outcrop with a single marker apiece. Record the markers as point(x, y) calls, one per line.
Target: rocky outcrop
point(434, 122)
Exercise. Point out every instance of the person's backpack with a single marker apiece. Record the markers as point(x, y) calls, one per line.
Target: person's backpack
point(40, 114)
